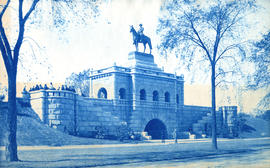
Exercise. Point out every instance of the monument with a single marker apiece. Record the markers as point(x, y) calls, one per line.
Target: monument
point(140, 94)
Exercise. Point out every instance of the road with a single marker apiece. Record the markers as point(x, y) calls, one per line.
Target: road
point(187, 153)
point(257, 158)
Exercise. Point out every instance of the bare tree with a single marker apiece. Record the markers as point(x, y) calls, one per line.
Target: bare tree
point(80, 82)
point(261, 78)
point(10, 54)
point(210, 32)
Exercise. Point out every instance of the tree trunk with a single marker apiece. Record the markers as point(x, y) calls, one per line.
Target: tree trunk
point(213, 88)
point(10, 142)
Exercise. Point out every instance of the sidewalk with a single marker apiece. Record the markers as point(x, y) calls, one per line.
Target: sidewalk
point(151, 143)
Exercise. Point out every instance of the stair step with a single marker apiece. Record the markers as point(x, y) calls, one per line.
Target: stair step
point(197, 130)
point(146, 136)
point(202, 121)
point(196, 125)
point(144, 133)
point(206, 117)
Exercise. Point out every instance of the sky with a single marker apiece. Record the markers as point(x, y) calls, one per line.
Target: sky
point(101, 43)
point(51, 56)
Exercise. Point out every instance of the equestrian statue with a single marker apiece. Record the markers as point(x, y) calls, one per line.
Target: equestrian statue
point(139, 37)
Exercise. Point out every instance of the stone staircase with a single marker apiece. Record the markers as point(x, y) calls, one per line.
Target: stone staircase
point(145, 136)
point(199, 127)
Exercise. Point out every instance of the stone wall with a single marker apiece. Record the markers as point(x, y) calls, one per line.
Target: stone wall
point(191, 115)
point(74, 114)
point(55, 108)
point(147, 77)
point(92, 112)
point(103, 81)
point(146, 110)
point(39, 104)
point(142, 74)
point(225, 122)
point(228, 115)
point(112, 79)
point(3, 111)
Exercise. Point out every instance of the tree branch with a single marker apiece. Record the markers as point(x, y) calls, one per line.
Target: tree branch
point(6, 59)
point(22, 21)
point(230, 47)
point(196, 41)
point(4, 9)
point(20, 11)
point(5, 40)
point(32, 8)
point(199, 38)
point(230, 25)
point(224, 73)
point(228, 57)
point(20, 36)
point(4, 44)
point(216, 42)
point(223, 81)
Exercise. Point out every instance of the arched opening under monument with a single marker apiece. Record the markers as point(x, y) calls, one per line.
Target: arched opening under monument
point(122, 93)
point(156, 129)
point(142, 94)
point(102, 93)
point(167, 97)
point(155, 95)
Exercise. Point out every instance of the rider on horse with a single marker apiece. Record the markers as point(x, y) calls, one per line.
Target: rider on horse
point(140, 32)
point(139, 37)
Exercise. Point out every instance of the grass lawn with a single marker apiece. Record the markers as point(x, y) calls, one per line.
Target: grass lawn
point(42, 146)
point(138, 154)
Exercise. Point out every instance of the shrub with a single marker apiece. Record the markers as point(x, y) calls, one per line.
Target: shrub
point(265, 115)
point(100, 132)
point(123, 132)
point(241, 126)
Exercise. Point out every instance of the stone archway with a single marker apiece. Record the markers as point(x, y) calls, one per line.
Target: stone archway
point(102, 93)
point(156, 129)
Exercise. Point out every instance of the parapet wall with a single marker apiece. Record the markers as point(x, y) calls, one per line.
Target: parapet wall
point(77, 115)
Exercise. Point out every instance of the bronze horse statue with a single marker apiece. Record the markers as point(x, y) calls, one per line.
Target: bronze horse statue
point(137, 39)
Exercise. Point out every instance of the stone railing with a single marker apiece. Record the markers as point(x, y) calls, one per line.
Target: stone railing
point(156, 104)
point(196, 108)
point(128, 70)
point(121, 102)
point(109, 69)
point(159, 74)
point(60, 93)
point(120, 69)
point(99, 101)
point(3, 105)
